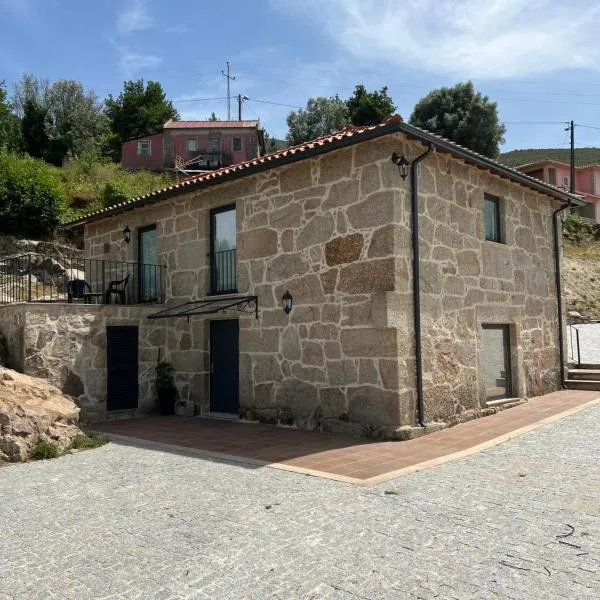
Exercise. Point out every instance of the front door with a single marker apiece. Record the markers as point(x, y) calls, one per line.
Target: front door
point(122, 368)
point(496, 359)
point(224, 366)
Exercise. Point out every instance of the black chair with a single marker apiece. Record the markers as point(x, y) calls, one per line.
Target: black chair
point(78, 289)
point(118, 289)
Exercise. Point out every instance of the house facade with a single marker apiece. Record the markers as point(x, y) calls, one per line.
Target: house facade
point(587, 183)
point(328, 228)
point(195, 146)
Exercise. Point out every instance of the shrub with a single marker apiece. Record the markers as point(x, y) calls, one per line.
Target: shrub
point(32, 197)
point(44, 450)
point(90, 440)
point(577, 230)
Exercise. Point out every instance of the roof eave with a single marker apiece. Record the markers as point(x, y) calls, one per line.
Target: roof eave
point(488, 163)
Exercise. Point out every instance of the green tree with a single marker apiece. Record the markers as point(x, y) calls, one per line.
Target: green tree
point(138, 110)
point(31, 197)
point(34, 129)
point(58, 119)
point(462, 115)
point(213, 117)
point(320, 117)
point(10, 130)
point(369, 108)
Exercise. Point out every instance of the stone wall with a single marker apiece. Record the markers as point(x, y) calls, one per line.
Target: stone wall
point(334, 230)
point(66, 344)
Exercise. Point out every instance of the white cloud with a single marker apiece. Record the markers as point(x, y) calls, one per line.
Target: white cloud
point(131, 63)
point(177, 29)
point(471, 38)
point(134, 16)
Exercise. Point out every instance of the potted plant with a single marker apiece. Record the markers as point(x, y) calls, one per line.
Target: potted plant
point(165, 388)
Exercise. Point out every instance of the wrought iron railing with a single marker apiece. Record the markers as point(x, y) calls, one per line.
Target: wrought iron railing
point(223, 272)
point(36, 277)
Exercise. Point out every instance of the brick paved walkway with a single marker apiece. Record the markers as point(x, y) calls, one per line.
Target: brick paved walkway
point(343, 458)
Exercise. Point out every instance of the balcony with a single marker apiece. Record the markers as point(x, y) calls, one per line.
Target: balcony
point(223, 272)
point(206, 160)
point(51, 278)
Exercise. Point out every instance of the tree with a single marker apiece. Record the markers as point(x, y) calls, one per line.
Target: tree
point(58, 119)
point(320, 117)
point(31, 197)
point(34, 129)
point(369, 108)
point(462, 115)
point(138, 110)
point(10, 137)
point(213, 117)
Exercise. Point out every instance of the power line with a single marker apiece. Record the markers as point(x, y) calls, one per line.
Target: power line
point(586, 126)
point(274, 103)
point(533, 122)
point(198, 99)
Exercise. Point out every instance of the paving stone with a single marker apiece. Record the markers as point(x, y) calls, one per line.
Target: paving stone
point(127, 522)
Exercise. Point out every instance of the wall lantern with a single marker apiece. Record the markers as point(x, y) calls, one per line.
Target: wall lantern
point(127, 234)
point(402, 163)
point(287, 302)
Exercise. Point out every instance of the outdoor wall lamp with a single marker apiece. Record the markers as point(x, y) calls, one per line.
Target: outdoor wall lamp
point(287, 302)
point(402, 163)
point(127, 234)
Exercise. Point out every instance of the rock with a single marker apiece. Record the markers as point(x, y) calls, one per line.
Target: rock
point(31, 411)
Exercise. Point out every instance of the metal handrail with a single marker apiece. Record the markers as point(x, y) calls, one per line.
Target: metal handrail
point(572, 328)
point(37, 277)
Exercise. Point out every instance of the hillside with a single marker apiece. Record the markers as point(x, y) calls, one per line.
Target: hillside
point(581, 279)
point(583, 156)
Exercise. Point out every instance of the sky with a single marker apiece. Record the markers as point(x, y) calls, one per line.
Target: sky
point(538, 59)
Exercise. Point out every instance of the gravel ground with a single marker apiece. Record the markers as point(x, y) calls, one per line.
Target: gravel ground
point(518, 521)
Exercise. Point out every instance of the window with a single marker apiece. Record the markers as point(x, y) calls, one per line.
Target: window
point(149, 271)
point(491, 214)
point(566, 181)
point(215, 144)
point(144, 147)
point(192, 144)
point(496, 361)
point(552, 176)
point(223, 250)
point(237, 144)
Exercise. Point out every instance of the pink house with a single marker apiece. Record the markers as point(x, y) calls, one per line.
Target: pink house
point(587, 182)
point(195, 146)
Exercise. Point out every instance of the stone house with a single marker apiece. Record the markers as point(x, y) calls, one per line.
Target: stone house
point(388, 332)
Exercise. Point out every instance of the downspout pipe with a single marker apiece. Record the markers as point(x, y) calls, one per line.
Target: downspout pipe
point(414, 191)
point(559, 303)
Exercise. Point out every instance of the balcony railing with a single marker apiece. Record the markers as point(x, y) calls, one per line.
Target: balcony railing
point(50, 278)
point(223, 272)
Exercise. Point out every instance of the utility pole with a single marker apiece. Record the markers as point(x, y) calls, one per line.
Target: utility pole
point(240, 99)
point(571, 128)
point(230, 78)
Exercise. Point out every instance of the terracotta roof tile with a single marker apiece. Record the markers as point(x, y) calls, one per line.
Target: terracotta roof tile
point(210, 124)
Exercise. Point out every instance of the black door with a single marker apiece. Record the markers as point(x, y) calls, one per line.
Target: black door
point(122, 366)
point(224, 366)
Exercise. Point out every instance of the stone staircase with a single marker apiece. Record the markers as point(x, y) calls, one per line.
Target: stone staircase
point(583, 377)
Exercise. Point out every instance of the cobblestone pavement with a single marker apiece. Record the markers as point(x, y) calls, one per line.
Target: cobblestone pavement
point(518, 521)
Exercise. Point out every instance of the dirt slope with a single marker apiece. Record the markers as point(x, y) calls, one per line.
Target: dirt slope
point(581, 279)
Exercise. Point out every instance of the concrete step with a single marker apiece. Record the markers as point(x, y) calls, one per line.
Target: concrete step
point(582, 384)
point(585, 374)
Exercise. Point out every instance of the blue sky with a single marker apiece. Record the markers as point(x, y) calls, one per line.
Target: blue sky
point(538, 59)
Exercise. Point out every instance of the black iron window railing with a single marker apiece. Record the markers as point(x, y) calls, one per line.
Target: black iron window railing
point(44, 278)
point(223, 272)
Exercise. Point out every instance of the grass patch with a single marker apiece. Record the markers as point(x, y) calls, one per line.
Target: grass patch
point(89, 440)
point(44, 450)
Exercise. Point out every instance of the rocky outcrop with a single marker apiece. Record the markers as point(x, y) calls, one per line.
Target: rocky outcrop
point(31, 411)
